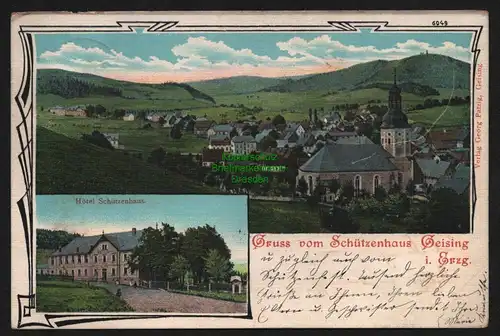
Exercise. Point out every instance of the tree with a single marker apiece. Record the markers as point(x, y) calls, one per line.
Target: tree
point(302, 186)
point(176, 132)
point(310, 115)
point(410, 188)
point(268, 142)
point(197, 241)
point(380, 193)
point(179, 268)
point(100, 110)
point(157, 157)
point(278, 120)
point(217, 266)
point(119, 113)
point(315, 116)
point(338, 220)
point(449, 212)
point(346, 193)
point(156, 251)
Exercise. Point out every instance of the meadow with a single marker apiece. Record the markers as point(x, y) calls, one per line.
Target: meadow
point(67, 296)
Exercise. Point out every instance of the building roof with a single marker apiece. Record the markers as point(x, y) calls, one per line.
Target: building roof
point(219, 137)
point(446, 138)
point(111, 135)
point(342, 134)
point(458, 183)
point(223, 128)
point(123, 241)
point(432, 167)
point(306, 140)
point(219, 141)
point(356, 140)
point(243, 138)
point(42, 266)
point(203, 124)
point(349, 158)
point(259, 137)
point(290, 136)
point(264, 126)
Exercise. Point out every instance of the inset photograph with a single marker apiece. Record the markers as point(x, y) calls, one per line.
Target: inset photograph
point(142, 253)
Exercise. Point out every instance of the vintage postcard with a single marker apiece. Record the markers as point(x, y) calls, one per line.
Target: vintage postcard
point(250, 170)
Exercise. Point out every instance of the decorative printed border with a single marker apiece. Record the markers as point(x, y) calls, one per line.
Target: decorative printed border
point(25, 130)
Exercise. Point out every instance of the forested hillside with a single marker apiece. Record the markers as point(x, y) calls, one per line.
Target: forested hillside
point(53, 239)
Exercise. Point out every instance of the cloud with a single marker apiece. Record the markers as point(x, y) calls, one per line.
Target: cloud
point(324, 47)
point(200, 58)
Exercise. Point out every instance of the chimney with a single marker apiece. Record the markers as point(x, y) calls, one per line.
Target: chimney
point(134, 231)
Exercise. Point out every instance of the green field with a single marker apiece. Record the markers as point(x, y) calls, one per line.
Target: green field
point(70, 166)
point(442, 116)
point(282, 217)
point(66, 296)
point(242, 268)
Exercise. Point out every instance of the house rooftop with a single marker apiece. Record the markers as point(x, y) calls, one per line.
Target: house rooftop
point(432, 167)
point(123, 241)
point(243, 138)
point(349, 158)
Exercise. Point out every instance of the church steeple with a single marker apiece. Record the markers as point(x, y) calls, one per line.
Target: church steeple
point(395, 118)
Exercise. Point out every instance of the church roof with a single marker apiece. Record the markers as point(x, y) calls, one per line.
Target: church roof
point(123, 241)
point(349, 158)
point(395, 118)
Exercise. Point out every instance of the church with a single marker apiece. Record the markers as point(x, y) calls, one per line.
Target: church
point(367, 165)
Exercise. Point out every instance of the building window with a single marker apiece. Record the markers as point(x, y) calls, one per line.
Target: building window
point(400, 179)
point(77, 249)
point(65, 272)
point(376, 182)
point(52, 261)
point(72, 272)
point(113, 272)
point(103, 258)
point(52, 272)
point(357, 184)
point(124, 257)
point(72, 259)
point(66, 260)
point(60, 260)
point(104, 246)
point(95, 258)
point(86, 258)
point(388, 141)
point(310, 182)
point(79, 259)
point(79, 272)
point(95, 273)
point(392, 180)
point(125, 271)
point(113, 258)
point(85, 272)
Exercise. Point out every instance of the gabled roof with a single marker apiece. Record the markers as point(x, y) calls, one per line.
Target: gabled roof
point(203, 124)
point(356, 140)
point(243, 138)
point(342, 134)
point(223, 128)
point(264, 126)
point(259, 137)
point(219, 137)
point(349, 158)
point(290, 137)
point(432, 167)
point(123, 241)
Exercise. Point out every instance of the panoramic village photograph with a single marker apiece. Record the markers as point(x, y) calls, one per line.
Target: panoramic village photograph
point(142, 253)
point(373, 128)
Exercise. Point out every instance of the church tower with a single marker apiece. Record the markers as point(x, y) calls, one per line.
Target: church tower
point(395, 131)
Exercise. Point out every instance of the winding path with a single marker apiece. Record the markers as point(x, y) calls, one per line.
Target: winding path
point(150, 300)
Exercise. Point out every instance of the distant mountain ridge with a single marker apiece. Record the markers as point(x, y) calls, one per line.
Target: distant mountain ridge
point(432, 70)
point(70, 84)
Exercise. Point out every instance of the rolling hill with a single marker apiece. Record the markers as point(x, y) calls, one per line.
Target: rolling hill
point(70, 166)
point(69, 84)
point(435, 71)
point(237, 85)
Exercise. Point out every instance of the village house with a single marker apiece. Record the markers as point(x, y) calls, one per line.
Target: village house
point(211, 156)
point(98, 258)
point(266, 126)
point(429, 171)
point(154, 117)
point(458, 180)
point(308, 142)
point(72, 111)
point(288, 140)
point(332, 118)
point(201, 127)
point(446, 139)
point(220, 142)
point(129, 117)
point(244, 144)
point(260, 136)
point(113, 139)
point(42, 269)
point(239, 127)
point(295, 128)
point(222, 129)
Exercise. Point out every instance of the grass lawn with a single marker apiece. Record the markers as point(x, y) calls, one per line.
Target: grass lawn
point(70, 166)
point(282, 217)
point(66, 296)
point(451, 116)
point(131, 135)
point(215, 295)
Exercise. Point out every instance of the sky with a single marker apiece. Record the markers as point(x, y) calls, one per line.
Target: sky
point(228, 214)
point(182, 57)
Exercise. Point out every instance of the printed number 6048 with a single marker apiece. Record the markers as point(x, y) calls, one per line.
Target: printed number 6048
point(439, 23)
